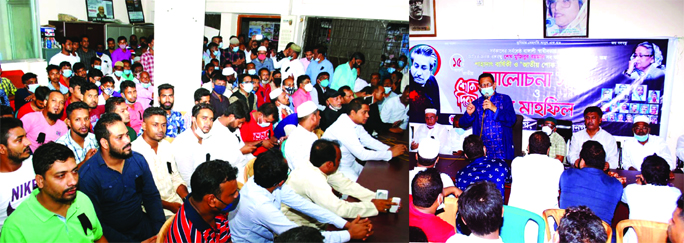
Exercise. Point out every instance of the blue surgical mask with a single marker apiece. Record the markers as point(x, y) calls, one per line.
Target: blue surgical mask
point(99, 53)
point(232, 206)
point(220, 89)
point(98, 67)
point(146, 85)
point(641, 139)
point(487, 92)
point(235, 49)
point(220, 44)
point(108, 91)
point(67, 73)
point(401, 63)
point(459, 130)
point(388, 90)
point(118, 73)
point(127, 71)
point(390, 69)
point(216, 53)
point(251, 72)
point(289, 58)
point(325, 83)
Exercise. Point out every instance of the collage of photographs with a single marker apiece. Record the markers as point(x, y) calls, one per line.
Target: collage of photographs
point(329, 121)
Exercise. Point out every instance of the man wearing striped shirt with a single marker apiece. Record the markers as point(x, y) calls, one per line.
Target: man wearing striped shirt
point(204, 214)
point(79, 139)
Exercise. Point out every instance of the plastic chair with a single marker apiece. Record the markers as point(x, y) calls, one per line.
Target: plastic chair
point(557, 215)
point(646, 231)
point(515, 220)
point(161, 236)
point(450, 210)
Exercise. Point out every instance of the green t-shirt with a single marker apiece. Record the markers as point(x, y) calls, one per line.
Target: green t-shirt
point(31, 222)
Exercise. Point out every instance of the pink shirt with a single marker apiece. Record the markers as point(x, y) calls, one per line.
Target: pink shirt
point(305, 63)
point(35, 124)
point(136, 115)
point(300, 96)
point(144, 95)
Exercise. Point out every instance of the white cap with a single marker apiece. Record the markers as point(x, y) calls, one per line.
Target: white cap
point(428, 148)
point(306, 109)
point(642, 118)
point(431, 110)
point(228, 71)
point(262, 48)
point(275, 93)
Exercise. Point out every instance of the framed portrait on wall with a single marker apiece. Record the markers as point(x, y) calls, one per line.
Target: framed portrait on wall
point(422, 18)
point(566, 18)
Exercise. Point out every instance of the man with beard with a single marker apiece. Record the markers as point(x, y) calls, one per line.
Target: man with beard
point(332, 110)
point(79, 139)
point(45, 126)
point(118, 105)
point(66, 55)
point(56, 211)
point(18, 179)
point(118, 181)
point(90, 97)
point(37, 104)
point(345, 74)
point(228, 133)
point(348, 129)
point(159, 155)
point(135, 109)
point(424, 90)
point(175, 123)
point(145, 90)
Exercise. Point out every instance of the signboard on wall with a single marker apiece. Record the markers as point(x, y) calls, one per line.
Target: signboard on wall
point(287, 28)
point(135, 11)
point(100, 10)
point(558, 78)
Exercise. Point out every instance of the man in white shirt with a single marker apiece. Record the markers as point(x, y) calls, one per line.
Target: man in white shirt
point(395, 111)
point(291, 65)
point(105, 63)
point(348, 129)
point(432, 129)
point(636, 148)
point(66, 55)
point(593, 131)
point(651, 198)
point(457, 135)
point(481, 198)
point(159, 156)
point(298, 144)
point(313, 182)
point(531, 190)
point(282, 100)
point(258, 215)
point(427, 157)
point(226, 131)
point(195, 143)
point(16, 168)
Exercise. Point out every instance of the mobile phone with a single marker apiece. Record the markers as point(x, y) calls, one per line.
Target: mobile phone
point(381, 194)
point(394, 208)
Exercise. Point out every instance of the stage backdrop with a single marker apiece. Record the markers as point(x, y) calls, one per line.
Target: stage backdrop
point(557, 78)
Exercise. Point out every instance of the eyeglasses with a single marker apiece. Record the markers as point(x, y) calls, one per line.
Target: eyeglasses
point(563, 4)
point(487, 85)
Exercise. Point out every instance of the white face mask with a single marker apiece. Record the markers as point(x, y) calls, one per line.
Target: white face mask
point(32, 87)
point(547, 130)
point(308, 87)
point(263, 124)
point(200, 133)
point(248, 87)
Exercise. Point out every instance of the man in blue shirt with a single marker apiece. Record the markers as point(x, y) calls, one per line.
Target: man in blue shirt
point(118, 181)
point(482, 167)
point(589, 185)
point(492, 118)
point(320, 64)
point(346, 74)
point(175, 123)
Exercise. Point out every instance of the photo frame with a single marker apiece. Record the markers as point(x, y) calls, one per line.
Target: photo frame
point(422, 18)
point(570, 20)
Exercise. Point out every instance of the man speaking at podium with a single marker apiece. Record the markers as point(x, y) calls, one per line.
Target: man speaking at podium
point(492, 118)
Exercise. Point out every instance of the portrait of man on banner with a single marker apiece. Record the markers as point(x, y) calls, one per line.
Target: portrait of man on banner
point(424, 89)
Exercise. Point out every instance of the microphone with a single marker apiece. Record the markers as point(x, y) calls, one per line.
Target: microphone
point(208, 157)
point(41, 138)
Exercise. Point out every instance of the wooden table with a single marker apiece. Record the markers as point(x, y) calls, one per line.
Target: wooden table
point(393, 177)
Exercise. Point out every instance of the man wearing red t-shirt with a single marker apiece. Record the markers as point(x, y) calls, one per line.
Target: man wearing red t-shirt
point(426, 192)
point(37, 104)
point(259, 129)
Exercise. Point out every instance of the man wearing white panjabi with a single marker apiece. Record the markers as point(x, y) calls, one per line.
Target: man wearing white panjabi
point(432, 129)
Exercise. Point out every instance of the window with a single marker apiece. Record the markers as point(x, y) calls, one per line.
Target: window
point(19, 37)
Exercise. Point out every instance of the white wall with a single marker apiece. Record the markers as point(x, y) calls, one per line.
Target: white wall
point(49, 9)
point(522, 19)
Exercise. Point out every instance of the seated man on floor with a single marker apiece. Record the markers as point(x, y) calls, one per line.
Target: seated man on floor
point(258, 216)
point(427, 157)
point(204, 214)
point(312, 183)
point(482, 210)
point(643, 144)
point(589, 185)
point(348, 129)
point(481, 167)
point(426, 193)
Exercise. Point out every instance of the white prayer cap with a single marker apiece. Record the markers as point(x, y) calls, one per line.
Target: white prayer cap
point(642, 118)
point(431, 110)
point(228, 71)
point(262, 48)
point(306, 109)
point(275, 93)
point(428, 148)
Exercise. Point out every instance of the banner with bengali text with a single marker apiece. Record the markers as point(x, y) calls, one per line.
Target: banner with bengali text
point(557, 78)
